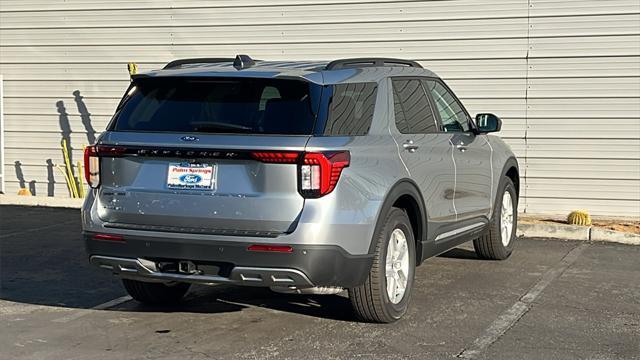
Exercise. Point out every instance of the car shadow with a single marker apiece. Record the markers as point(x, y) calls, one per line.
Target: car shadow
point(460, 253)
point(43, 262)
point(228, 298)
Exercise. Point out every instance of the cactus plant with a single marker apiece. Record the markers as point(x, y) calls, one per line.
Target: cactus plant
point(579, 217)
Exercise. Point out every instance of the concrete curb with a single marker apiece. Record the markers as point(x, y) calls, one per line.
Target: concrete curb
point(567, 232)
point(598, 234)
point(574, 232)
point(40, 201)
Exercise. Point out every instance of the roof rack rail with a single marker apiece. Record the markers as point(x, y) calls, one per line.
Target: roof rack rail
point(180, 62)
point(374, 61)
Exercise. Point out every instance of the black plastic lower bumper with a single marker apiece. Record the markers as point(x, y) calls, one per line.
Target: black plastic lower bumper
point(323, 265)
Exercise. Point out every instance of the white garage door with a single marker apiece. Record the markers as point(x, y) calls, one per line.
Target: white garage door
point(563, 74)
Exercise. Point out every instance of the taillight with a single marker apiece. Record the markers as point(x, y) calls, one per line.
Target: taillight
point(92, 155)
point(110, 151)
point(92, 166)
point(319, 172)
point(281, 157)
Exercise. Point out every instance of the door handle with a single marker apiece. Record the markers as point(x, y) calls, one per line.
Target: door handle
point(410, 146)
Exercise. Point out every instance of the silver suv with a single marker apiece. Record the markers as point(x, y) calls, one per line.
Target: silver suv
point(305, 177)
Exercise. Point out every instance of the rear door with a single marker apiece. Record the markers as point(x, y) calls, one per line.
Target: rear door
point(472, 154)
point(207, 155)
point(426, 152)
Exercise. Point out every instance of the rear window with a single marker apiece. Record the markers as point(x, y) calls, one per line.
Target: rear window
point(220, 105)
point(351, 109)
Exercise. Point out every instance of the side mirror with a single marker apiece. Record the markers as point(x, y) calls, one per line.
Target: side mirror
point(487, 123)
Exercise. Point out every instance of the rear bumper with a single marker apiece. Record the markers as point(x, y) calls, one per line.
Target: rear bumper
point(146, 270)
point(307, 266)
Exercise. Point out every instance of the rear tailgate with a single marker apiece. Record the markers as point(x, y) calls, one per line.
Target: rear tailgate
point(204, 183)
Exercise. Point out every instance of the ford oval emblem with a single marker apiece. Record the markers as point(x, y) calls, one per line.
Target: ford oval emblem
point(190, 178)
point(189, 138)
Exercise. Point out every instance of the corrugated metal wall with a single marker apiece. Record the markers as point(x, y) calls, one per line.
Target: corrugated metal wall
point(563, 74)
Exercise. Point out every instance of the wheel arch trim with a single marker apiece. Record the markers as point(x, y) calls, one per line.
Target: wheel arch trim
point(404, 187)
point(512, 163)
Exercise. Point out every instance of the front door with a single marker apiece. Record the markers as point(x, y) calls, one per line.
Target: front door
point(472, 155)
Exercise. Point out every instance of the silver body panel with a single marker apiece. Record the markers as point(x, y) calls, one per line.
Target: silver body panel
point(457, 187)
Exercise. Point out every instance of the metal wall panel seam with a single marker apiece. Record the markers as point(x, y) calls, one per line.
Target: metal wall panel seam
point(524, 166)
point(2, 140)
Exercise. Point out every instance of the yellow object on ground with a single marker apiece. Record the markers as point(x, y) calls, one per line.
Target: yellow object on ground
point(579, 217)
point(24, 192)
point(66, 177)
point(80, 182)
point(71, 179)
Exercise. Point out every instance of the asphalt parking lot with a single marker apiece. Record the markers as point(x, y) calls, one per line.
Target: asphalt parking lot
point(551, 300)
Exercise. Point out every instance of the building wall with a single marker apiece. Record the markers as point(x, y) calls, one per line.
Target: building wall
point(563, 74)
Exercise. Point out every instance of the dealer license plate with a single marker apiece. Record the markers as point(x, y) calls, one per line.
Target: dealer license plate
point(192, 176)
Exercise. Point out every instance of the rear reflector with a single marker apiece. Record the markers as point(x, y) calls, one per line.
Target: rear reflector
point(271, 248)
point(108, 237)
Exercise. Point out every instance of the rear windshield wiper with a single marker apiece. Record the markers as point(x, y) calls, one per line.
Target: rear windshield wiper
point(214, 126)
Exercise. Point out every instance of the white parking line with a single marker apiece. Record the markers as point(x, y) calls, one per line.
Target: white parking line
point(103, 306)
point(508, 318)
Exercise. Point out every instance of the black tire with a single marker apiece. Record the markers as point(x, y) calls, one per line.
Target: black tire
point(370, 300)
point(156, 293)
point(489, 246)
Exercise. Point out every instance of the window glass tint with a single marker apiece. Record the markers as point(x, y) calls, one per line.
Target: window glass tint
point(268, 93)
point(416, 108)
point(401, 120)
point(351, 109)
point(451, 113)
point(220, 105)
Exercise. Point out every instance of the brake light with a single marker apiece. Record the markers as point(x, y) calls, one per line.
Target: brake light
point(319, 172)
point(286, 157)
point(92, 156)
point(92, 166)
point(110, 151)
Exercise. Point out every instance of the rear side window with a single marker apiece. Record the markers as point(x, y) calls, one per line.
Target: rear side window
point(351, 109)
point(401, 120)
point(220, 105)
point(413, 111)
